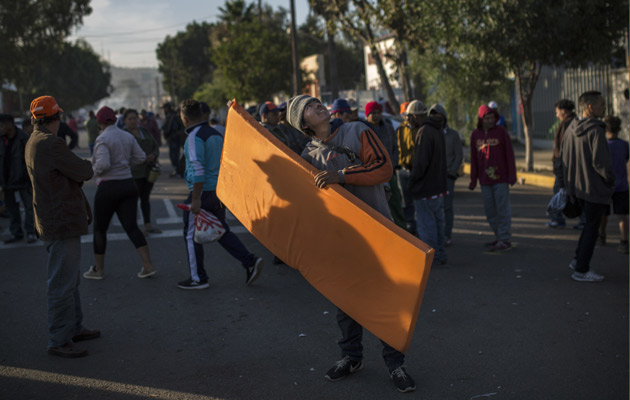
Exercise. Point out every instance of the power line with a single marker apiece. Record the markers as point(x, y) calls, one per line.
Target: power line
point(95, 35)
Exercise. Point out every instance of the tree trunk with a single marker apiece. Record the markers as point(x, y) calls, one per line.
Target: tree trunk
point(404, 75)
point(332, 65)
point(391, 97)
point(527, 77)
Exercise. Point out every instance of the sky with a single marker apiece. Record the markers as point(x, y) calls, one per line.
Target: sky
point(126, 33)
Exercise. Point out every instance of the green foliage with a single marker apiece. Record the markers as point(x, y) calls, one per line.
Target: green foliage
point(32, 47)
point(351, 70)
point(184, 60)
point(253, 54)
point(73, 74)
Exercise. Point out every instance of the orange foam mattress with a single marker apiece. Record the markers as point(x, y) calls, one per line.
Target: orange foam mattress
point(361, 261)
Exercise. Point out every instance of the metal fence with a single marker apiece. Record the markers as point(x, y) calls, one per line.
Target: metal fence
point(555, 83)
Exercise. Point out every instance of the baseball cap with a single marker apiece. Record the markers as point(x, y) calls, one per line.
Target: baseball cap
point(105, 115)
point(268, 107)
point(45, 106)
point(340, 106)
point(416, 107)
point(493, 105)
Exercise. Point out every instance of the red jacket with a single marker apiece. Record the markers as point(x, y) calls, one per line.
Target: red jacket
point(491, 154)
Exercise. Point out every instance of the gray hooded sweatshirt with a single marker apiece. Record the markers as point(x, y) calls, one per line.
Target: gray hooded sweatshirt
point(587, 169)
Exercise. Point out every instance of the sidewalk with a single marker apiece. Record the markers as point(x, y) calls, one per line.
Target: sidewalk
point(543, 171)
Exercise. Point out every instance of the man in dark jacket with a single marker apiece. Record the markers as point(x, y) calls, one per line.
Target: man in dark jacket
point(14, 180)
point(173, 131)
point(565, 112)
point(62, 215)
point(427, 182)
point(587, 175)
point(385, 132)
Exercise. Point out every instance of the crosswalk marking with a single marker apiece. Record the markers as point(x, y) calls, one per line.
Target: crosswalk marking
point(171, 219)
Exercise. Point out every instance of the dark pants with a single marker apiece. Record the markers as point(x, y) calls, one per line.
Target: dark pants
point(13, 209)
point(120, 197)
point(593, 214)
point(144, 191)
point(351, 343)
point(229, 241)
point(174, 148)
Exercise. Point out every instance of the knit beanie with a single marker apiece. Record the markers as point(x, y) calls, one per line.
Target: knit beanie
point(295, 110)
point(371, 106)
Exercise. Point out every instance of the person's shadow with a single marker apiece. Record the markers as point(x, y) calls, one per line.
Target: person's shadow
point(339, 258)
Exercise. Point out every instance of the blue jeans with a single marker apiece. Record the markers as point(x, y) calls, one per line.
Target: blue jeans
point(496, 203)
point(64, 302)
point(351, 343)
point(430, 217)
point(448, 208)
point(409, 210)
point(229, 241)
point(13, 208)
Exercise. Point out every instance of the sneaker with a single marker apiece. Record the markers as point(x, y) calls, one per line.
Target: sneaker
point(145, 273)
point(623, 247)
point(601, 241)
point(404, 383)
point(94, 274)
point(68, 350)
point(86, 334)
point(190, 284)
point(573, 264)
point(491, 244)
point(555, 224)
point(501, 247)
point(253, 272)
point(588, 276)
point(31, 238)
point(343, 368)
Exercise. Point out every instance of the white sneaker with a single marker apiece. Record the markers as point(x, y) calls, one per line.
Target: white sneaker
point(588, 276)
point(94, 274)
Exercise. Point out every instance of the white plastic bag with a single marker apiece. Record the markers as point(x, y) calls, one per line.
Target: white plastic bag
point(558, 202)
point(208, 228)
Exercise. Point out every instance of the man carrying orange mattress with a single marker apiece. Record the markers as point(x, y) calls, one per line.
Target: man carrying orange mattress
point(352, 155)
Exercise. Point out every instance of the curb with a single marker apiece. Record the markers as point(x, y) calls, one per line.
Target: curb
point(526, 178)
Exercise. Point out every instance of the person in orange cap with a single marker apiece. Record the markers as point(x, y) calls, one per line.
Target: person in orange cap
point(62, 215)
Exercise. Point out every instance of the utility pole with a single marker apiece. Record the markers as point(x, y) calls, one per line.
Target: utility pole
point(294, 52)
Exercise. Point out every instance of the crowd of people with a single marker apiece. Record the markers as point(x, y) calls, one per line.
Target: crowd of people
point(408, 174)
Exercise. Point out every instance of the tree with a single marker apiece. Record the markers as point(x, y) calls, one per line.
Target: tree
point(184, 60)
point(349, 53)
point(76, 75)
point(253, 55)
point(358, 21)
point(526, 35)
point(26, 27)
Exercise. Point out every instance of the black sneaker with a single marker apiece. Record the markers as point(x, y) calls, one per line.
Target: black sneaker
point(404, 383)
point(343, 368)
point(253, 272)
point(190, 284)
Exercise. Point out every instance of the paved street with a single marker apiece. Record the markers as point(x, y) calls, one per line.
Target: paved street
point(499, 326)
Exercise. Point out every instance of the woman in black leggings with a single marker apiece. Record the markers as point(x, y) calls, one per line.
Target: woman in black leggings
point(140, 172)
point(115, 151)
